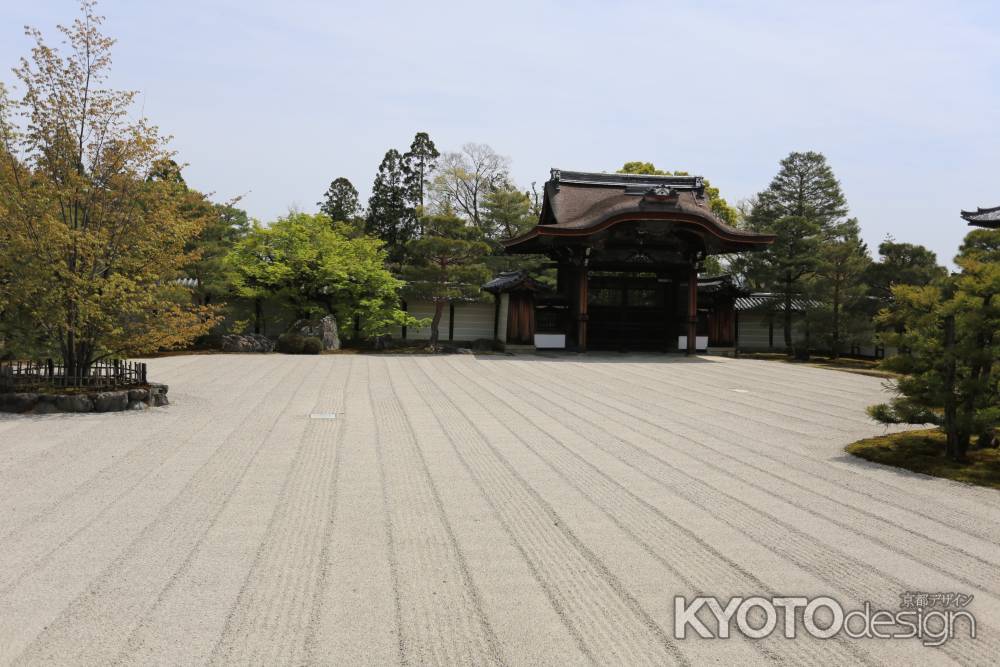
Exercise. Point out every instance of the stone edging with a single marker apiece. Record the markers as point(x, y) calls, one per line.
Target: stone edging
point(139, 398)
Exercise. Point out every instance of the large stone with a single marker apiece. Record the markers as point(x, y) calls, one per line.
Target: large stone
point(46, 408)
point(324, 329)
point(137, 405)
point(111, 401)
point(138, 395)
point(75, 403)
point(20, 402)
point(158, 395)
point(247, 343)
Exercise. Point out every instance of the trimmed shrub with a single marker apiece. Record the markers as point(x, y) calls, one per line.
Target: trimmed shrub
point(291, 343)
point(312, 345)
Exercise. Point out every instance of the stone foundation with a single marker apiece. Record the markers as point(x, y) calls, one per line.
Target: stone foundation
point(138, 398)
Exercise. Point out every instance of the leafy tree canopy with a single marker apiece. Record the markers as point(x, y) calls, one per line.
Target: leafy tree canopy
point(320, 269)
point(98, 220)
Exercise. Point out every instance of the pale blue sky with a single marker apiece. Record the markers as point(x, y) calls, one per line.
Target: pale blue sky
point(275, 99)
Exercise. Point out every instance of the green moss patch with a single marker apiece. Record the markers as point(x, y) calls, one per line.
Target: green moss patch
point(923, 452)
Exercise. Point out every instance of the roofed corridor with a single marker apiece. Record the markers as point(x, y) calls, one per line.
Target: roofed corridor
point(535, 509)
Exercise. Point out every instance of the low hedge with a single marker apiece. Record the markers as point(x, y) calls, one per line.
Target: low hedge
point(291, 343)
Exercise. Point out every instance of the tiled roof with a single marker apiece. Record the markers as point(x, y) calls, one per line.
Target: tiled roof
point(770, 301)
point(580, 203)
point(509, 280)
point(983, 217)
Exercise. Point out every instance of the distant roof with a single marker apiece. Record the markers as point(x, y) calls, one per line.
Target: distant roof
point(509, 281)
point(578, 203)
point(770, 301)
point(723, 284)
point(983, 217)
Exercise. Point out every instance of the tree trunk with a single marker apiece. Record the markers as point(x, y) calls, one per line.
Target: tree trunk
point(258, 315)
point(788, 313)
point(957, 442)
point(836, 323)
point(438, 312)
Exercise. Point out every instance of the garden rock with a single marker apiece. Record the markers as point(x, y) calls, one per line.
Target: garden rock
point(158, 395)
point(247, 343)
point(137, 395)
point(18, 402)
point(111, 401)
point(74, 403)
point(324, 329)
point(137, 405)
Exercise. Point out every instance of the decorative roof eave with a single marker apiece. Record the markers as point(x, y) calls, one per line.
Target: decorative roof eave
point(983, 217)
point(750, 239)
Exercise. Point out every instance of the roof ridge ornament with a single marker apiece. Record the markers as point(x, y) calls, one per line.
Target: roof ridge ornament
point(662, 194)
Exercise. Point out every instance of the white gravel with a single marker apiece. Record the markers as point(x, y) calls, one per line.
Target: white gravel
point(458, 510)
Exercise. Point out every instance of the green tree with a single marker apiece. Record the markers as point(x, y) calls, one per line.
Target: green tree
point(390, 216)
point(842, 316)
point(901, 264)
point(447, 265)
point(805, 209)
point(506, 213)
point(320, 270)
point(340, 203)
point(226, 224)
point(719, 206)
point(949, 334)
point(97, 217)
point(418, 164)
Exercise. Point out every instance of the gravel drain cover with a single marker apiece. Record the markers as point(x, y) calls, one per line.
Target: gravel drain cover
point(323, 415)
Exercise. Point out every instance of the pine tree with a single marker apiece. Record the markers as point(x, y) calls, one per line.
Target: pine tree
point(446, 264)
point(805, 208)
point(839, 288)
point(390, 217)
point(949, 332)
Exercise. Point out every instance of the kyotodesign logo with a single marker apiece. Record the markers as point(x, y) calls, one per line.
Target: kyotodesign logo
point(932, 618)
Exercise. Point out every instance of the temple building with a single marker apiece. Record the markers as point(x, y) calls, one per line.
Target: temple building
point(983, 217)
point(627, 249)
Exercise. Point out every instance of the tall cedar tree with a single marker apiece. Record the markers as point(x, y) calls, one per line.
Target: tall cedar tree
point(418, 164)
point(98, 240)
point(949, 337)
point(390, 216)
point(805, 208)
point(446, 265)
point(340, 203)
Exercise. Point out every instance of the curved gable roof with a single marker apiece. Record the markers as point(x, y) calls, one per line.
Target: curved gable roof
point(580, 203)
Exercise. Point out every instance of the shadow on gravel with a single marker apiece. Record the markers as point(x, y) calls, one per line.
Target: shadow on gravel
point(600, 357)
